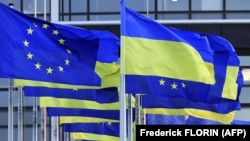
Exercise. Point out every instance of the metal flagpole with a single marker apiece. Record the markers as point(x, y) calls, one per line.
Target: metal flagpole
point(66, 136)
point(43, 124)
point(147, 7)
point(137, 109)
point(43, 110)
point(35, 126)
point(130, 118)
point(54, 18)
point(123, 124)
point(10, 103)
point(20, 115)
point(44, 9)
point(10, 111)
point(54, 129)
point(35, 105)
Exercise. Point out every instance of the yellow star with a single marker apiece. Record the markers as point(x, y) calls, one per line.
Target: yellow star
point(45, 26)
point(60, 69)
point(49, 70)
point(38, 66)
point(30, 31)
point(61, 41)
point(162, 82)
point(26, 43)
point(183, 85)
point(55, 32)
point(29, 56)
point(67, 62)
point(174, 86)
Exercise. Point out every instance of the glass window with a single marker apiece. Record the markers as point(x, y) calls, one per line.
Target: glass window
point(17, 3)
point(104, 6)
point(141, 5)
point(207, 16)
point(204, 5)
point(173, 5)
point(175, 16)
point(237, 5)
point(78, 18)
point(238, 15)
point(246, 75)
point(78, 5)
point(104, 17)
point(29, 6)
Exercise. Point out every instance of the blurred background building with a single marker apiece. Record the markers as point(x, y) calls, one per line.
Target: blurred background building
point(227, 18)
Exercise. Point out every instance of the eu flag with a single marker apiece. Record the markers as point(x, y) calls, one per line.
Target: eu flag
point(34, 49)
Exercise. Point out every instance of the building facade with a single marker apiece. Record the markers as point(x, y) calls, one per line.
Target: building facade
point(227, 18)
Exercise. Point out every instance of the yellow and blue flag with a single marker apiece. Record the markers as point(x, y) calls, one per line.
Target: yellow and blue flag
point(228, 75)
point(223, 112)
point(170, 62)
point(93, 131)
point(96, 103)
point(162, 60)
point(200, 121)
point(34, 49)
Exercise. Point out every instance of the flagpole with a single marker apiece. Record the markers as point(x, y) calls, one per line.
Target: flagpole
point(44, 9)
point(20, 115)
point(137, 109)
point(147, 7)
point(123, 127)
point(130, 118)
point(10, 103)
point(35, 105)
point(10, 111)
point(43, 110)
point(54, 129)
point(43, 124)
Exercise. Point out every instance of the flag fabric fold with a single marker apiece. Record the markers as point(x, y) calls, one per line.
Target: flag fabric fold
point(223, 112)
point(105, 95)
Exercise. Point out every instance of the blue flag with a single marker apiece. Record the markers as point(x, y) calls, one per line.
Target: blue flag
point(165, 61)
point(182, 64)
point(223, 112)
point(84, 112)
point(93, 131)
point(192, 120)
point(228, 75)
point(34, 49)
point(103, 95)
point(200, 121)
point(101, 99)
